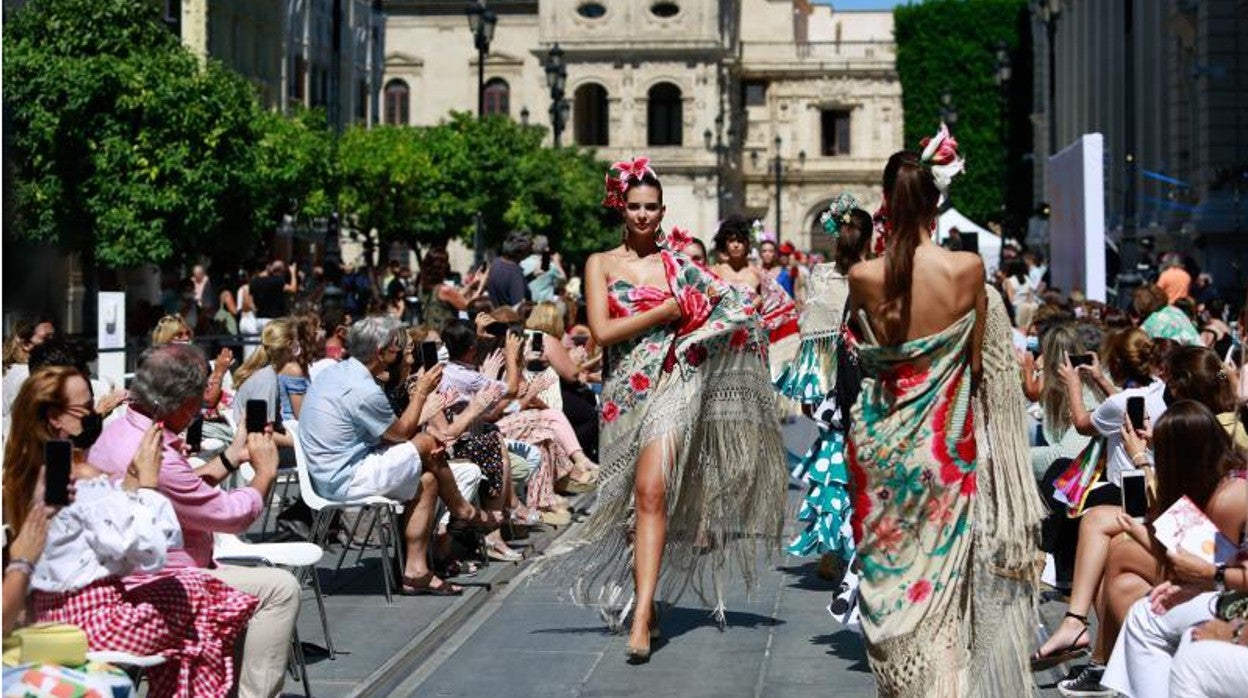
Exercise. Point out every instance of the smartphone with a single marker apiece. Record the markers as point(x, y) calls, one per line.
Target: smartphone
point(1077, 360)
point(1135, 411)
point(257, 416)
point(1134, 495)
point(428, 355)
point(58, 458)
point(536, 342)
point(496, 329)
point(195, 434)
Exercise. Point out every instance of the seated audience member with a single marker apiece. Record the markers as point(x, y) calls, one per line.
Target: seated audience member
point(1194, 459)
point(1154, 314)
point(1196, 373)
point(26, 336)
point(63, 351)
point(357, 447)
point(172, 329)
point(257, 377)
point(292, 378)
point(110, 530)
point(168, 388)
point(337, 325)
point(579, 404)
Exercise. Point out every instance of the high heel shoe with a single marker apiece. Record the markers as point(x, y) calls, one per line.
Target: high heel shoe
point(636, 655)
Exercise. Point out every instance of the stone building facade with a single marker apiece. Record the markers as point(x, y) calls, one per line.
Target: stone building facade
point(701, 87)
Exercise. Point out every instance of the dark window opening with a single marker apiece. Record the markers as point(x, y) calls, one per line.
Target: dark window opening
point(835, 132)
point(663, 115)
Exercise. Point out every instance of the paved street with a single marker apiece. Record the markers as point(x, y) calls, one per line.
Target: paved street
point(524, 638)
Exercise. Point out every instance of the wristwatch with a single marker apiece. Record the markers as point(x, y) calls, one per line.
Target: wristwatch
point(1219, 577)
point(229, 467)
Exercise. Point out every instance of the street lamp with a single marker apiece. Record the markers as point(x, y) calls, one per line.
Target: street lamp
point(948, 110)
point(556, 80)
point(778, 170)
point(714, 143)
point(481, 21)
point(1049, 12)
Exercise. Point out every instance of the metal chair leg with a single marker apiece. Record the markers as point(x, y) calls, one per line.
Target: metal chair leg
point(372, 513)
point(299, 662)
point(387, 570)
point(320, 607)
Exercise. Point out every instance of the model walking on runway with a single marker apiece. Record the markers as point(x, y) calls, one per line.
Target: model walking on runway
point(692, 469)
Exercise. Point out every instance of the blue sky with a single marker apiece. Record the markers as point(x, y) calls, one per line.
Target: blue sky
point(861, 4)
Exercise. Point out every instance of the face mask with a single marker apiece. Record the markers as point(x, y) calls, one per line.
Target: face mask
point(92, 425)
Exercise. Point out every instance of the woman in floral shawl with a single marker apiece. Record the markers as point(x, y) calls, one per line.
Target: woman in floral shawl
point(692, 467)
point(943, 511)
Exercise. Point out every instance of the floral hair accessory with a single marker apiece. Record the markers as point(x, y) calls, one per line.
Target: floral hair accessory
point(760, 235)
point(618, 177)
point(940, 154)
point(838, 214)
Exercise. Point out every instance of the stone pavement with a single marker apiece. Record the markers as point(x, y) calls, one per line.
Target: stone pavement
point(517, 636)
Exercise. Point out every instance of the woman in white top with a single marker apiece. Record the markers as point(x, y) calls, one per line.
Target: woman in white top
point(114, 530)
point(1128, 354)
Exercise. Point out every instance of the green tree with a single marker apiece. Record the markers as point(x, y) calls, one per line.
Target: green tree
point(949, 46)
point(124, 147)
point(296, 167)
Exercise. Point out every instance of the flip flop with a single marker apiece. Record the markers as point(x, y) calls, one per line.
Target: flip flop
point(444, 589)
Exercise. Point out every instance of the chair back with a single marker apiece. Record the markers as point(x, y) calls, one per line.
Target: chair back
point(314, 501)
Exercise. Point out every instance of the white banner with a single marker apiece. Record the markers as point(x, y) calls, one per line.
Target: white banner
point(111, 318)
point(1076, 191)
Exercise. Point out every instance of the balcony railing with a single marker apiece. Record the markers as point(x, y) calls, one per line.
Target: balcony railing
point(864, 55)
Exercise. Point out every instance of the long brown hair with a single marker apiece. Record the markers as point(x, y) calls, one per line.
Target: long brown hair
point(1193, 454)
point(912, 198)
point(42, 394)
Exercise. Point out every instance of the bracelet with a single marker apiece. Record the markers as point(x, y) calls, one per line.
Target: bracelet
point(20, 564)
point(229, 467)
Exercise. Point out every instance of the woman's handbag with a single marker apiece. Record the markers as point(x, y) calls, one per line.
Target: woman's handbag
point(48, 643)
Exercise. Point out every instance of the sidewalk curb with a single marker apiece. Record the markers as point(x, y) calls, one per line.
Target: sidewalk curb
point(421, 648)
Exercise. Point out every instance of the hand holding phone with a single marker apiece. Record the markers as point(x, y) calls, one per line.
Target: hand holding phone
point(1135, 411)
point(1134, 494)
point(58, 456)
point(257, 416)
point(1077, 360)
point(195, 435)
point(428, 355)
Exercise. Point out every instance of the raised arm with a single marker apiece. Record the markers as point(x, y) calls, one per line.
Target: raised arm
point(609, 331)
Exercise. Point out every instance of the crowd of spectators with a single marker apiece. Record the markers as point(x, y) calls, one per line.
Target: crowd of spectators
point(471, 401)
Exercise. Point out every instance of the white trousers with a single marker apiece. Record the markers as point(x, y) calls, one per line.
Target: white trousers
point(1144, 652)
point(1209, 669)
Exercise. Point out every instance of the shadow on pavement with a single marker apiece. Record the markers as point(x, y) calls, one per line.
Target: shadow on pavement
point(845, 644)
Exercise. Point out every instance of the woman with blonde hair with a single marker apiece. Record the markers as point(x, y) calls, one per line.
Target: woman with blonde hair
point(257, 378)
point(172, 329)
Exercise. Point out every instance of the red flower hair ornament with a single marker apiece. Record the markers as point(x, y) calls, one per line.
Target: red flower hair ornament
point(618, 177)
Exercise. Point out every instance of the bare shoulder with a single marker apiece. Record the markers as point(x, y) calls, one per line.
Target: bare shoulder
point(869, 271)
point(969, 267)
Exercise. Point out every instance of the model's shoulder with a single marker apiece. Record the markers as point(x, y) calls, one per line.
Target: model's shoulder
point(866, 270)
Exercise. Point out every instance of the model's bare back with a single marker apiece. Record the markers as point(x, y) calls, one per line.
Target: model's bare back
point(944, 287)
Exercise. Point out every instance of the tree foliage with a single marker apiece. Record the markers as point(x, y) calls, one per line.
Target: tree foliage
point(125, 147)
point(949, 46)
point(425, 185)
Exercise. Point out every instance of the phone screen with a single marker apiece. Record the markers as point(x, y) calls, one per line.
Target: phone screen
point(257, 416)
point(1135, 411)
point(1134, 495)
point(195, 434)
point(537, 342)
point(428, 355)
point(58, 458)
point(1078, 360)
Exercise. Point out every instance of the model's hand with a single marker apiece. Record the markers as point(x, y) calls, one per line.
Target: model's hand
point(671, 311)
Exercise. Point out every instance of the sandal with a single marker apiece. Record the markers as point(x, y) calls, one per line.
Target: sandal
point(481, 522)
point(424, 586)
point(455, 568)
point(1065, 654)
point(507, 555)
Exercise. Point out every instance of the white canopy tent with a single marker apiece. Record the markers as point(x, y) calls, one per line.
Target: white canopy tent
point(989, 244)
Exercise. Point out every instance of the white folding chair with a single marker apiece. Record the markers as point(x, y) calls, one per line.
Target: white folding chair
point(385, 510)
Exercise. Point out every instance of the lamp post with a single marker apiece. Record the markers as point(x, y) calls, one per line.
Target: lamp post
point(1049, 12)
point(481, 21)
point(556, 80)
point(714, 143)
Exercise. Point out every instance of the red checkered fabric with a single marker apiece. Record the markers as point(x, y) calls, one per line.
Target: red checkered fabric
point(190, 618)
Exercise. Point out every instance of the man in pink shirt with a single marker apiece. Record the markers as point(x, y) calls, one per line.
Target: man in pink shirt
point(168, 387)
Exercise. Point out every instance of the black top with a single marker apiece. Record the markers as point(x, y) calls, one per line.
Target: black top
point(505, 283)
point(268, 295)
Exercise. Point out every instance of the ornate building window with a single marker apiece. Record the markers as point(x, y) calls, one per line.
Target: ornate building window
point(835, 132)
point(395, 103)
point(497, 97)
point(591, 10)
point(665, 9)
point(754, 93)
point(589, 112)
point(664, 123)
